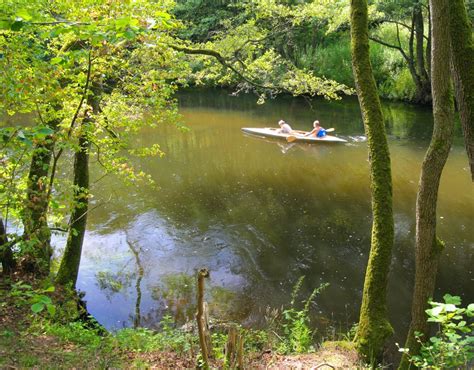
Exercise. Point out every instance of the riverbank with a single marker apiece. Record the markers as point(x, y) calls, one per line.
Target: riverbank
point(57, 337)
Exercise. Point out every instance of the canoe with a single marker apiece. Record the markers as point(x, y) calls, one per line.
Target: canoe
point(274, 132)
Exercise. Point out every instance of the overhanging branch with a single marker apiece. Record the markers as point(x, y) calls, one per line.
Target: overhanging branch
point(223, 62)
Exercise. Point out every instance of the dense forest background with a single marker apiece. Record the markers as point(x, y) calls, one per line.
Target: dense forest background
point(320, 42)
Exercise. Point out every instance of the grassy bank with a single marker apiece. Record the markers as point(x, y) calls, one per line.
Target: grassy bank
point(57, 335)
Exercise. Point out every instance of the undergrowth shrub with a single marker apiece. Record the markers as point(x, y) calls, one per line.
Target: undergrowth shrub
point(297, 333)
point(453, 344)
point(145, 340)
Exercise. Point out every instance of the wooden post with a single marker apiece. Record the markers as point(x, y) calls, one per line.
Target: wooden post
point(234, 349)
point(204, 337)
point(240, 351)
point(231, 347)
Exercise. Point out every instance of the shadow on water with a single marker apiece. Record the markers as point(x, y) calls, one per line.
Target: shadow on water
point(260, 213)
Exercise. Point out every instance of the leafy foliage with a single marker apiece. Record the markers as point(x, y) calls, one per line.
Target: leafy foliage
point(169, 338)
point(453, 345)
point(37, 298)
point(297, 334)
point(55, 57)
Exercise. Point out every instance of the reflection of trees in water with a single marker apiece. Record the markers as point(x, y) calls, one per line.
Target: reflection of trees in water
point(405, 122)
point(113, 282)
point(177, 292)
point(140, 271)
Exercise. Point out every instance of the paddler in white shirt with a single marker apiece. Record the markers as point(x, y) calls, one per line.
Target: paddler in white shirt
point(285, 128)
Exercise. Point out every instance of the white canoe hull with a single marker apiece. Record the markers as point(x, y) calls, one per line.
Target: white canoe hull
point(274, 132)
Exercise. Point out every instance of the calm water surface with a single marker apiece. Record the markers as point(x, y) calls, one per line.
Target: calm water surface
point(261, 213)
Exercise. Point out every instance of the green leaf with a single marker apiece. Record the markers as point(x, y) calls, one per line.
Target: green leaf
point(50, 288)
point(5, 25)
point(450, 308)
point(129, 34)
point(470, 310)
point(45, 131)
point(23, 14)
point(448, 298)
point(37, 307)
point(56, 60)
point(122, 23)
point(44, 299)
point(98, 38)
point(435, 311)
point(17, 25)
point(51, 309)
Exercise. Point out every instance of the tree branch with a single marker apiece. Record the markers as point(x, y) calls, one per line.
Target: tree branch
point(71, 126)
point(223, 62)
point(385, 43)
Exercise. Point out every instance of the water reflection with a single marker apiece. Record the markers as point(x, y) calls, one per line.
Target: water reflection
point(136, 251)
point(260, 213)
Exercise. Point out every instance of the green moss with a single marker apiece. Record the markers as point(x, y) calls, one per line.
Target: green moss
point(339, 344)
point(374, 327)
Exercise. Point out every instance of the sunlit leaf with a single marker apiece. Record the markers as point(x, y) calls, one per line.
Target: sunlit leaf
point(37, 307)
point(448, 298)
point(24, 14)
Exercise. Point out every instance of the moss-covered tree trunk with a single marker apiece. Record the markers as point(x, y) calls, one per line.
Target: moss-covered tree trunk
point(69, 267)
point(462, 48)
point(427, 246)
point(35, 212)
point(374, 327)
point(6, 254)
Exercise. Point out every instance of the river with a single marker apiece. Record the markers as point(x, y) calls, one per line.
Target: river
point(261, 213)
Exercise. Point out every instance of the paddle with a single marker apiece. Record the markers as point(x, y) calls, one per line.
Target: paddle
point(292, 138)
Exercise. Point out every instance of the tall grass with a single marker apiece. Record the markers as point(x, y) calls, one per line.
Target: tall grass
point(333, 61)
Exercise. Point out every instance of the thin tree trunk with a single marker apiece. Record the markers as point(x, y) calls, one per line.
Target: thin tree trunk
point(428, 46)
point(427, 247)
point(462, 45)
point(424, 91)
point(6, 254)
point(69, 267)
point(412, 62)
point(35, 211)
point(374, 327)
point(419, 35)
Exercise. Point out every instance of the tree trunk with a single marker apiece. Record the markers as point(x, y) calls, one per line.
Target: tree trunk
point(462, 45)
point(374, 327)
point(419, 34)
point(35, 212)
point(427, 246)
point(6, 254)
point(424, 88)
point(412, 62)
point(69, 268)
point(428, 46)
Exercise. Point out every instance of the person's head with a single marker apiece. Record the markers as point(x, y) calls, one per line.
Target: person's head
point(316, 123)
point(281, 122)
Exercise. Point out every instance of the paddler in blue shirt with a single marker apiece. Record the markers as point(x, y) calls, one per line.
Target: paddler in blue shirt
point(317, 131)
